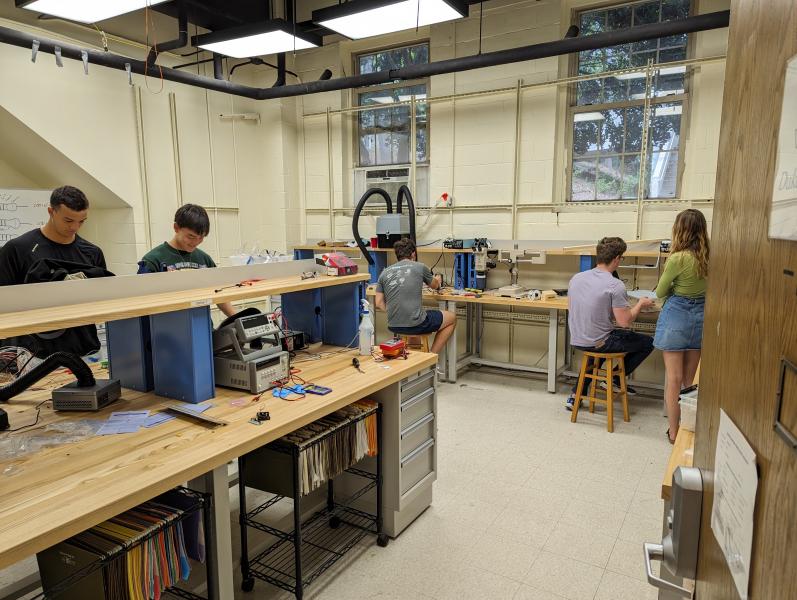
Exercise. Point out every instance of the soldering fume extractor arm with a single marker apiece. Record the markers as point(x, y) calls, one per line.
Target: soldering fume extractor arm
point(390, 227)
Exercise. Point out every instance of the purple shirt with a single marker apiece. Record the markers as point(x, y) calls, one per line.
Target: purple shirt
point(592, 296)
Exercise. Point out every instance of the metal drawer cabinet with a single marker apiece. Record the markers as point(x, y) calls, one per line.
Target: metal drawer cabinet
point(417, 465)
point(418, 433)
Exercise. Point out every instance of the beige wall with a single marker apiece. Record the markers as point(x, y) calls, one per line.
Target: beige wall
point(11, 178)
point(472, 143)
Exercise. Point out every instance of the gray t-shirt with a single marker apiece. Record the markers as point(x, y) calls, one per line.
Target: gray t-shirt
point(592, 296)
point(402, 285)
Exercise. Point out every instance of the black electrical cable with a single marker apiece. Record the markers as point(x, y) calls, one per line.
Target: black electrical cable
point(38, 409)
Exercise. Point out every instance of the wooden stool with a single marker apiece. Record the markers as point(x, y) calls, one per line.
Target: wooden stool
point(417, 342)
point(591, 369)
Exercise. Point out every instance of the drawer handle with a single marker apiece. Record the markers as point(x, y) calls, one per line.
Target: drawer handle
point(415, 453)
point(417, 380)
point(417, 425)
point(415, 399)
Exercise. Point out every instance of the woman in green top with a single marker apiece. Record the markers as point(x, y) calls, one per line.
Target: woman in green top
point(679, 331)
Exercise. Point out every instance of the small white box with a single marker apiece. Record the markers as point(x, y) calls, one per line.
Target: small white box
point(688, 403)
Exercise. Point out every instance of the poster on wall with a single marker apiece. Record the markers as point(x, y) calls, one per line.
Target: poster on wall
point(21, 211)
point(783, 217)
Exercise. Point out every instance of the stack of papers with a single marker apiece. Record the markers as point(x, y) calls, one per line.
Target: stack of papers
point(125, 421)
point(129, 421)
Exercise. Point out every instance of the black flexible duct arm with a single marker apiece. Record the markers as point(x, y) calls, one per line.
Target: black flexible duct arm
point(55, 361)
point(356, 218)
point(403, 192)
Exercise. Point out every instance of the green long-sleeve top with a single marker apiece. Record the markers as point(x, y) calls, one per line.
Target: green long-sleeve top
point(681, 277)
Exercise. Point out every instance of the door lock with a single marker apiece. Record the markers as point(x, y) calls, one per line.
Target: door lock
point(678, 549)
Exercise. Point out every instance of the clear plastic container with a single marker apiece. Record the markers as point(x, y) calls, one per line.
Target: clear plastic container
point(688, 403)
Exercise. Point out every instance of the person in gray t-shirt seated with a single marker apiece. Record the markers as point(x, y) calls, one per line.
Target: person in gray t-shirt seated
point(596, 298)
point(399, 291)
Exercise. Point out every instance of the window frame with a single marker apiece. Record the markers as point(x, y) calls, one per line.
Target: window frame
point(354, 102)
point(573, 108)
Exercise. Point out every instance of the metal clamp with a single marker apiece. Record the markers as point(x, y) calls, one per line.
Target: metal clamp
point(780, 428)
point(656, 552)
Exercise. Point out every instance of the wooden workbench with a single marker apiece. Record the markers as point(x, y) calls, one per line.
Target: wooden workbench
point(682, 455)
point(50, 495)
point(556, 251)
point(46, 319)
point(558, 303)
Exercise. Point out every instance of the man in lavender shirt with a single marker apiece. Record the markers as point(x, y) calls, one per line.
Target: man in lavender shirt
point(597, 301)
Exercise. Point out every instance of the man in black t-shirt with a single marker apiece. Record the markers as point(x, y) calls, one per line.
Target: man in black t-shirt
point(57, 239)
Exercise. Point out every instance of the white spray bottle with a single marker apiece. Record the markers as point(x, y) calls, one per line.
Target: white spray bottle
point(366, 330)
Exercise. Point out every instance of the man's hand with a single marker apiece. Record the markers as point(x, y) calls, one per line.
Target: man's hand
point(437, 282)
point(645, 302)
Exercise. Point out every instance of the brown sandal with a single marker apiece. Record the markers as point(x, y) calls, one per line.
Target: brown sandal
point(669, 439)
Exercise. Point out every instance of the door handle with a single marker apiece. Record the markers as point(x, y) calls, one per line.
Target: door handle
point(656, 552)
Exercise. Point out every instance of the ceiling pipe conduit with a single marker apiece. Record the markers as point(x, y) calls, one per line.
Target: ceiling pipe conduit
point(715, 20)
point(182, 36)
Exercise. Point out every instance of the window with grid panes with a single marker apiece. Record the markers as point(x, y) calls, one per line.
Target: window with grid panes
point(607, 115)
point(384, 133)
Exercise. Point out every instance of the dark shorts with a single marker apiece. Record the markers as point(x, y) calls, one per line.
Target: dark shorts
point(432, 323)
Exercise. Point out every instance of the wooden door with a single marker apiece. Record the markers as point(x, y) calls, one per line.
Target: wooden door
point(751, 306)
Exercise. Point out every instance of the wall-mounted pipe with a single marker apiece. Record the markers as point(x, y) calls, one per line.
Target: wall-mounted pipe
point(704, 22)
point(179, 42)
point(280, 70)
point(218, 69)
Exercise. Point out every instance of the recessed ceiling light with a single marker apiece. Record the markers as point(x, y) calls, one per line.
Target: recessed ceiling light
point(257, 39)
point(86, 11)
point(364, 18)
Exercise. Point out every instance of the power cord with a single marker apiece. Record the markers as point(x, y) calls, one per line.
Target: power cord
point(35, 422)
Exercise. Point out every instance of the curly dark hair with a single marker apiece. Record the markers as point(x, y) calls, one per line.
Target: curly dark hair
point(610, 248)
point(404, 248)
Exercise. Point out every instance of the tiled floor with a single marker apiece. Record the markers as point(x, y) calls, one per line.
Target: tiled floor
point(527, 506)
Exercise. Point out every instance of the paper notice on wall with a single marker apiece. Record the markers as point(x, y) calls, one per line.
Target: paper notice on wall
point(735, 485)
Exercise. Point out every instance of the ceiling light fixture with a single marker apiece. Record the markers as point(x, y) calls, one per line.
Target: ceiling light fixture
point(257, 39)
point(85, 11)
point(365, 18)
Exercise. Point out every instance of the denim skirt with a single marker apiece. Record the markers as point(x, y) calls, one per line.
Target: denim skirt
point(680, 324)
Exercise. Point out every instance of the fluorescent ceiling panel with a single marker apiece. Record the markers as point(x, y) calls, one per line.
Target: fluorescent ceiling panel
point(86, 11)
point(360, 19)
point(271, 37)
